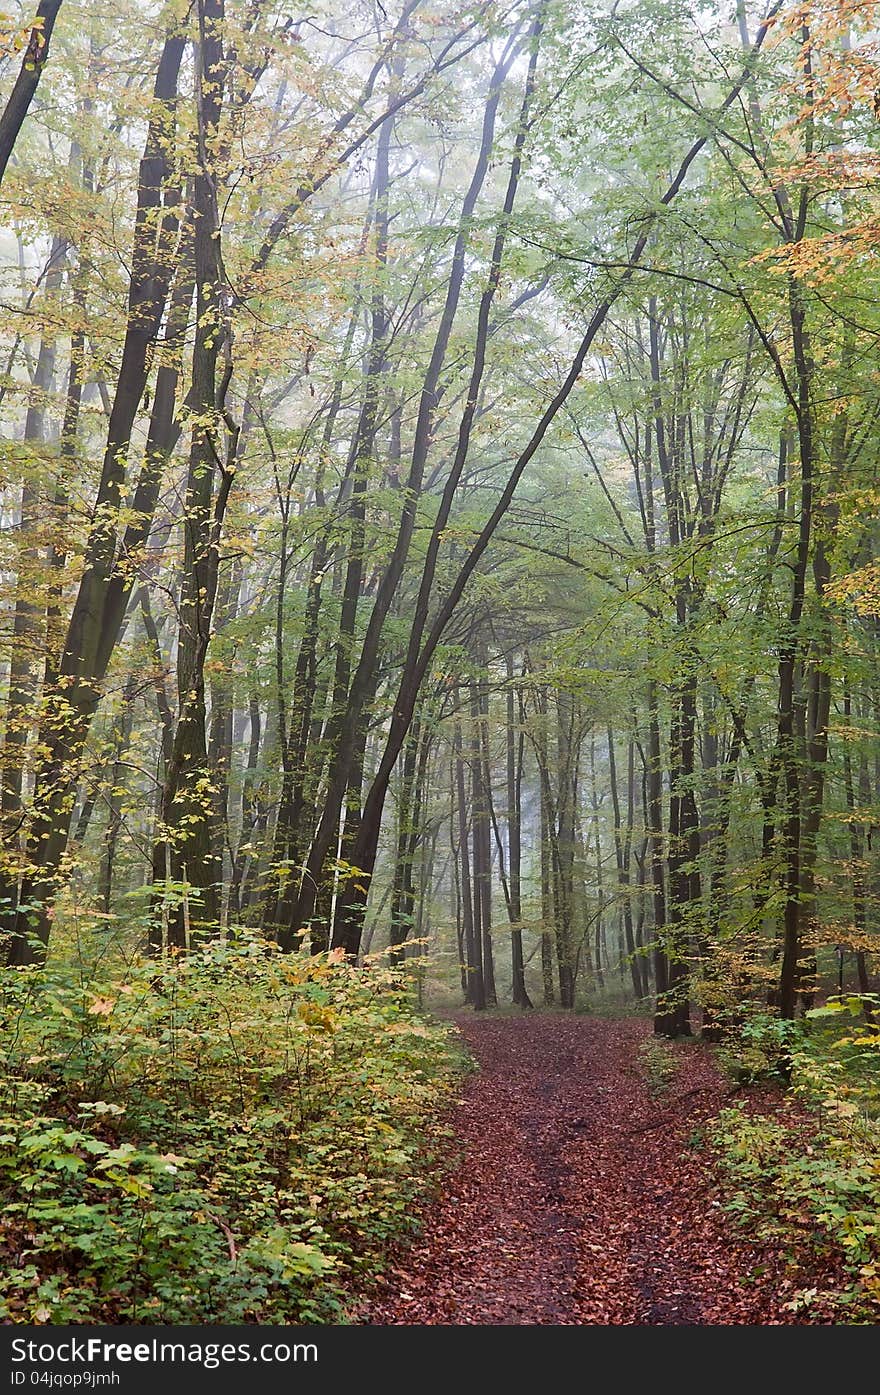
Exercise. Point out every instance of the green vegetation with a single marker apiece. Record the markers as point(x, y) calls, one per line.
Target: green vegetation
point(658, 1063)
point(225, 1137)
point(812, 1180)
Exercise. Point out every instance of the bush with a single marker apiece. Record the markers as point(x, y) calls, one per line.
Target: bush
point(224, 1137)
point(759, 1049)
point(814, 1182)
point(658, 1065)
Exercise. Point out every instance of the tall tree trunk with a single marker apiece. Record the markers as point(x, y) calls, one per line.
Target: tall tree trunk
point(547, 916)
point(476, 992)
point(655, 825)
point(456, 879)
point(790, 653)
point(221, 729)
point(187, 842)
point(115, 793)
point(562, 844)
point(621, 851)
point(402, 894)
point(673, 1014)
point(481, 830)
point(597, 845)
point(858, 850)
point(515, 739)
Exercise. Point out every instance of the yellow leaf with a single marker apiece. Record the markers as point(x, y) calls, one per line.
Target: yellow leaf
point(102, 1007)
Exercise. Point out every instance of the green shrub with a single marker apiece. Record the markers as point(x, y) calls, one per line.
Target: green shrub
point(759, 1049)
point(814, 1183)
point(658, 1065)
point(225, 1137)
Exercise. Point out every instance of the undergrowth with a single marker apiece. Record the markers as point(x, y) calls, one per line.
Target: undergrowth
point(658, 1064)
point(811, 1181)
point(227, 1137)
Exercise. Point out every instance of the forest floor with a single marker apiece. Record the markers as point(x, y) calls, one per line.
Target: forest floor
point(583, 1192)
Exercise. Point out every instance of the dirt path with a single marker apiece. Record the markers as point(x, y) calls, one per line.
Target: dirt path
point(582, 1195)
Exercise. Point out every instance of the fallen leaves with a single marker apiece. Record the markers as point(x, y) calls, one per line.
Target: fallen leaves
point(580, 1199)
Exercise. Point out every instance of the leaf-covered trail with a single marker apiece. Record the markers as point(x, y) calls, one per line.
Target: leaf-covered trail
point(581, 1195)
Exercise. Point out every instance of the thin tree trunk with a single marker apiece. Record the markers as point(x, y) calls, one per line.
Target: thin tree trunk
point(621, 850)
point(546, 902)
point(115, 793)
point(476, 993)
point(33, 62)
point(654, 820)
point(514, 751)
point(407, 835)
point(482, 836)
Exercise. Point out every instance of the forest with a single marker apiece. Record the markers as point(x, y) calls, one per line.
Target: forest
point(440, 662)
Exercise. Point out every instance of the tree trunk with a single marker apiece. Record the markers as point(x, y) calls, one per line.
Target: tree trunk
point(482, 836)
point(621, 851)
point(187, 841)
point(654, 820)
point(402, 894)
point(476, 992)
point(514, 752)
point(35, 57)
point(122, 737)
point(547, 916)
